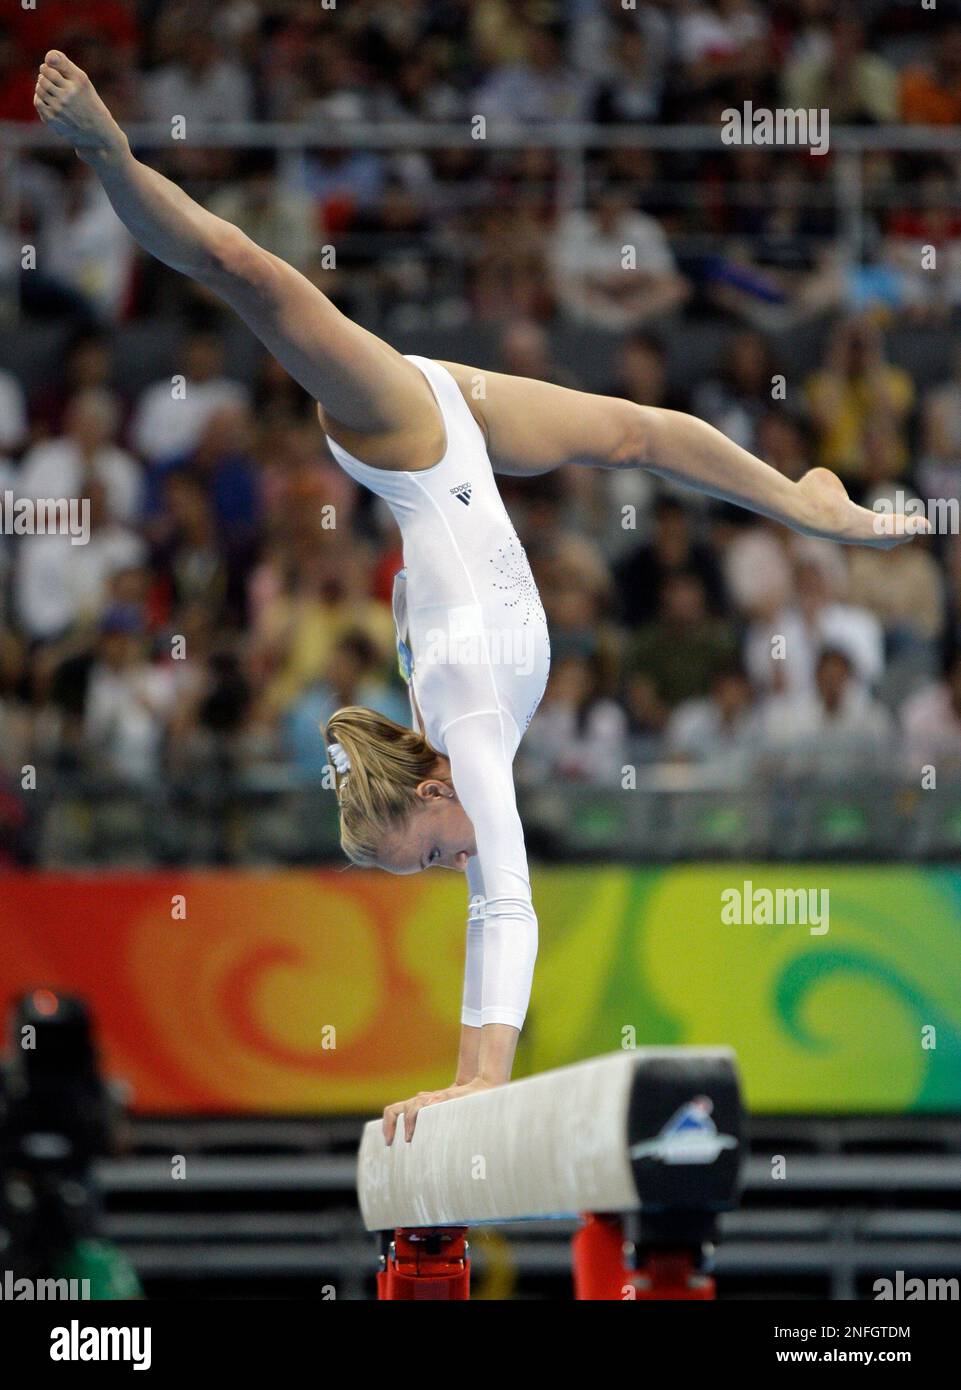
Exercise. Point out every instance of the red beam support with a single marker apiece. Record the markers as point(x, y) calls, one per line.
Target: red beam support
point(604, 1267)
point(434, 1264)
point(600, 1267)
point(429, 1263)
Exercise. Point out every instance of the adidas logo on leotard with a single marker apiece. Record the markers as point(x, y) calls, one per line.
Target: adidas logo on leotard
point(462, 493)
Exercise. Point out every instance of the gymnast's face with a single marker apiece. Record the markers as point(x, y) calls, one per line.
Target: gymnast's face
point(437, 834)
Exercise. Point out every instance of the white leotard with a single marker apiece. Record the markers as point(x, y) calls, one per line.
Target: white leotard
point(474, 646)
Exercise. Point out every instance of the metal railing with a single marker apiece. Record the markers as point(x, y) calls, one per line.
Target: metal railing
point(574, 143)
point(267, 821)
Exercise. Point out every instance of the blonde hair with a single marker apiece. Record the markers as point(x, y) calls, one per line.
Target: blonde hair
point(378, 794)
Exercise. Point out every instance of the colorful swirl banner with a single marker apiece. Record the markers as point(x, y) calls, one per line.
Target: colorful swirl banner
point(325, 991)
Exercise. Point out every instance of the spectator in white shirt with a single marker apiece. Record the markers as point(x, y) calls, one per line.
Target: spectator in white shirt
point(577, 734)
point(541, 88)
point(112, 549)
point(718, 41)
point(931, 720)
point(171, 415)
point(86, 451)
point(43, 604)
point(87, 247)
point(613, 267)
point(58, 585)
point(201, 85)
point(720, 730)
point(836, 729)
point(129, 702)
point(781, 651)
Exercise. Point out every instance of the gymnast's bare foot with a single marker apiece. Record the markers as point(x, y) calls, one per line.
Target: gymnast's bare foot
point(67, 101)
point(832, 515)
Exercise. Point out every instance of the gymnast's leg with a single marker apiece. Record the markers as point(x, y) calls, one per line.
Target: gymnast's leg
point(534, 426)
point(378, 405)
point(365, 388)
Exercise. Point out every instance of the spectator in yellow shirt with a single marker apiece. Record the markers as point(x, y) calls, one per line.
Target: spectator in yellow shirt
point(855, 389)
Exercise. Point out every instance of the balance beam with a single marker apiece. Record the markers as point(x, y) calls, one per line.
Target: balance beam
point(656, 1131)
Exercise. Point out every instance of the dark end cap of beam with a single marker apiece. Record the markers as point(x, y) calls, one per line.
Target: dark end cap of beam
point(685, 1131)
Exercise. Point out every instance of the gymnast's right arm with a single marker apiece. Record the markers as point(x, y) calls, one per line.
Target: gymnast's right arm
point(364, 383)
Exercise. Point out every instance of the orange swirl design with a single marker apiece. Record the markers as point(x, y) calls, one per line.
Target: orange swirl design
point(292, 992)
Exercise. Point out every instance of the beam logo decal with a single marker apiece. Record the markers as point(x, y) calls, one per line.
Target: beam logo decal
point(690, 1136)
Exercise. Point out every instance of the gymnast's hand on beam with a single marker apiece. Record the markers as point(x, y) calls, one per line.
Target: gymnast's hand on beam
point(410, 1108)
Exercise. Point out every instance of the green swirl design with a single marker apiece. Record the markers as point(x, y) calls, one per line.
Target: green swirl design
point(820, 1023)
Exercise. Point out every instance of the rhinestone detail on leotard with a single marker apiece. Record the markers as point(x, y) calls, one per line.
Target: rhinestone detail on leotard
point(518, 586)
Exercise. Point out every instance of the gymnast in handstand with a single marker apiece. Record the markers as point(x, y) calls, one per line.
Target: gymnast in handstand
point(428, 438)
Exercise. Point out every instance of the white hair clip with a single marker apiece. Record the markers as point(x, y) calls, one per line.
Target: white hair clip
point(339, 758)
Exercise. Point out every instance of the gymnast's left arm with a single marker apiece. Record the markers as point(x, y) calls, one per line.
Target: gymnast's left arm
point(502, 929)
point(502, 933)
point(468, 1057)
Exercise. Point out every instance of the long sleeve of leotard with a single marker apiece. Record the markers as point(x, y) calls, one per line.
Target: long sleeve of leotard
point(474, 959)
point(502, 935)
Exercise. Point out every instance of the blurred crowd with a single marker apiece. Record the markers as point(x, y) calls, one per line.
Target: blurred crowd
point(236, 586)
point(463, 234)
point(526, 60)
